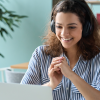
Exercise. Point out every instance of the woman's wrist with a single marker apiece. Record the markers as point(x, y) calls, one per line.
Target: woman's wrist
point(71, 75)
point(49, 84)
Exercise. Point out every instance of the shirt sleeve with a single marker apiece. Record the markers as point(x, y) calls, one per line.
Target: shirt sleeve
point(32, 75)
point(96, 71)
point(98, 82)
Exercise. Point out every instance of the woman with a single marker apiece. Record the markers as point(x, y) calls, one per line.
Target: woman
point(69, 62)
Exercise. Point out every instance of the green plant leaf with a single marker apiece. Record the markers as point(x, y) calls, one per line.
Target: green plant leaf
point(10, 26)
point(10, 12)
point(1, 32)
point(17, 20)
point(5, 31)
point(12, 15)
point(9, 18)
point(0, 13)
point(22, 16)
point(3, 7)
point(15, 25)
point(8, 22)
point(17, 16)
point(1, 55)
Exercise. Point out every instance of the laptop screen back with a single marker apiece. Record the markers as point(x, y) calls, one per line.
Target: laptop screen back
point(24, 92)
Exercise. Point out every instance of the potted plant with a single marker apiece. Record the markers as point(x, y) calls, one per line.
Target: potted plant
point(9, 18)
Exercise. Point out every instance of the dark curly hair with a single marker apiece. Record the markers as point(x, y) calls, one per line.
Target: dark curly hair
point(88, 46)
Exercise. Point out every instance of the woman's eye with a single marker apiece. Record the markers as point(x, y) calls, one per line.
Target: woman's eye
point(72, 27)
point(58, 26)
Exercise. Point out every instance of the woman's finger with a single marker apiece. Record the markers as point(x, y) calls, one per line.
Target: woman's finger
point(55, 63)
point(57, 59)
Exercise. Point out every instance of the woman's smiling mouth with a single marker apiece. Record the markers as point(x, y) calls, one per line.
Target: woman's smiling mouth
point(67, 39)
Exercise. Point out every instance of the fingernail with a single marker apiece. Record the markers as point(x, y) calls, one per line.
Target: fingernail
point(59, 61)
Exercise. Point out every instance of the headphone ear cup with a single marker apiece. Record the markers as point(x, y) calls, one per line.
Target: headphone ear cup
point(53, 26)
point(86, 29)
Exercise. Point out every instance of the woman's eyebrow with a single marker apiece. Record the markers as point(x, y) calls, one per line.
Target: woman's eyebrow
point(67, 24)
point(72, 24)
point(59, 23)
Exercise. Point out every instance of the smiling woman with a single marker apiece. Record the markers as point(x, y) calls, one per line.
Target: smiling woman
point(69, 60)
point(90, 29)
point(68, 30)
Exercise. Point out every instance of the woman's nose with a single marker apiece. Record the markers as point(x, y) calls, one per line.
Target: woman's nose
point(64, 32)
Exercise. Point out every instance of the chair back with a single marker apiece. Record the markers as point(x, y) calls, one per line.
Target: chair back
point(13, 77)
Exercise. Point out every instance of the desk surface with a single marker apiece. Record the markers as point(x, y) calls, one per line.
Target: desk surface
point(20, 66)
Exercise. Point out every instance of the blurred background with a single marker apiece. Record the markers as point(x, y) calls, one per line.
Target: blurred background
point(26, 38)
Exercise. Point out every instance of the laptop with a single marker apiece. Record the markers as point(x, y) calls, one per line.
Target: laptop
point(14, 91)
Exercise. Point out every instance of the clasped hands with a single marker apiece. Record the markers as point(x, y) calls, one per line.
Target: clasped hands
point(57, 69)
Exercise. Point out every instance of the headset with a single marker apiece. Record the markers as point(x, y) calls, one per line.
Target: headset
point(87, 27)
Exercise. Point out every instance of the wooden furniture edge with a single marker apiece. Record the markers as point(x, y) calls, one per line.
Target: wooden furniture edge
point(20, 66)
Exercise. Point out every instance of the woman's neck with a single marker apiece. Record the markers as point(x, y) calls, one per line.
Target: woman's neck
point(73, 56)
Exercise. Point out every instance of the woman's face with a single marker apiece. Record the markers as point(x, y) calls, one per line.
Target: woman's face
point(68, 29)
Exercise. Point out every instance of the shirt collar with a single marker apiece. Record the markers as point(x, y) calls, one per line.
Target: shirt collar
point(63, 55)
point(80, 58)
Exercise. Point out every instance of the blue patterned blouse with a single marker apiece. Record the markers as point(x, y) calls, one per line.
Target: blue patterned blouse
point(37, 73)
